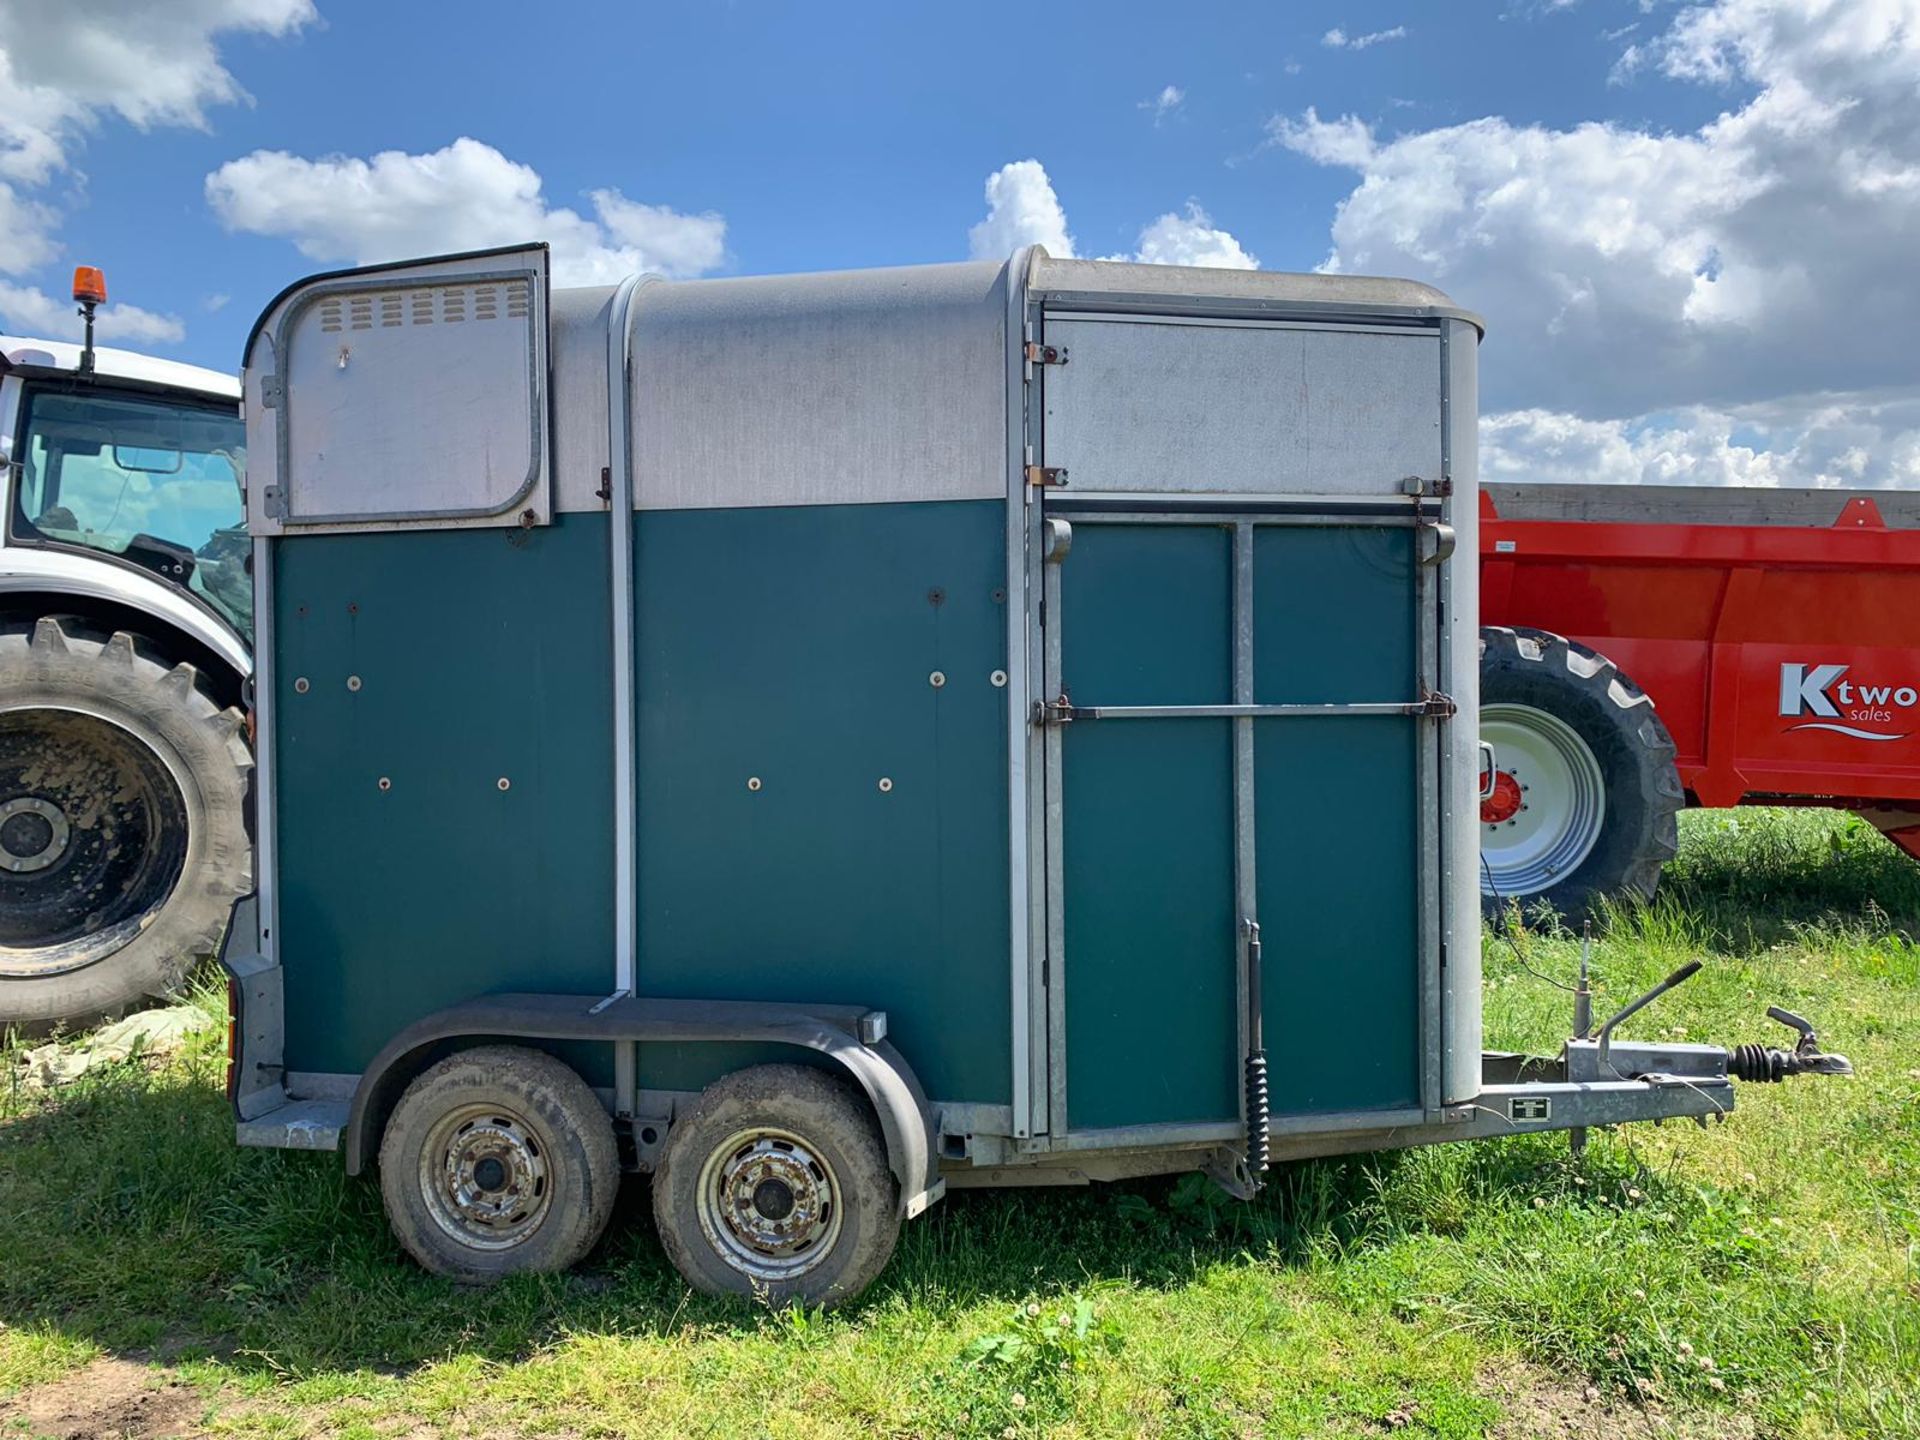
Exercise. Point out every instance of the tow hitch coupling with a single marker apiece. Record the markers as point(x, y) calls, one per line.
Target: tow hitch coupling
point(1766, 1064)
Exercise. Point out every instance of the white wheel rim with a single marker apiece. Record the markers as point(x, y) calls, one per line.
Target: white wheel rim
point(1549, 817)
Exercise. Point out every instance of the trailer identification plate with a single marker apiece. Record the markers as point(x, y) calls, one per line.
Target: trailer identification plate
point(1530, 1107)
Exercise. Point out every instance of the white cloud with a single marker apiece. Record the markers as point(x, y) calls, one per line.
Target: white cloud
point(1819, 440)
point(1189, 237)
point(1166, 103)
point(29, 310)
point(1338, 39)
point(1021, 210)
point(466, 196)
point(1763, 258)
point(66, 63)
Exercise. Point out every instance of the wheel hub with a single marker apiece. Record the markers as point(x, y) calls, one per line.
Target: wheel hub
point(485, 1178)
point(33, 834)
point(1504, 803)
point(769, 1204)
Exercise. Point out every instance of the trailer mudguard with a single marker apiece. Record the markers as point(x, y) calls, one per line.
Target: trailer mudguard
point(833, 1030)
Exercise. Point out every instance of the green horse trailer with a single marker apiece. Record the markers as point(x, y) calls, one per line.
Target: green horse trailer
point(823, 739)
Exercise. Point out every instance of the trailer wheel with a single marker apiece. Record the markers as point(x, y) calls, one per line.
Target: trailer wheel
point(497, 1161)
point(1585, 789)
point(775, 1185)
point(122, 839)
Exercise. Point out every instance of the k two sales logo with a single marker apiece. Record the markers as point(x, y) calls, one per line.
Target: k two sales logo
point(1866, 712)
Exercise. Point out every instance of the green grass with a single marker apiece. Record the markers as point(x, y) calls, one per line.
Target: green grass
point(1758, 1278)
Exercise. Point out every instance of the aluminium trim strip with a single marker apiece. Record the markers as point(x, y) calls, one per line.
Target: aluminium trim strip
point(1242, 712)
point(1224, 322)
point(1246, 869)
point(1022, 922)
point(266, 850)
point(1228, 519)
point(620, 518)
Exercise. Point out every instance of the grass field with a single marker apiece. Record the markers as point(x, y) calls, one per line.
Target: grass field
point(1761, 1278)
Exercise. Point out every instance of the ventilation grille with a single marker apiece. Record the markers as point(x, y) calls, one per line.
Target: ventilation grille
point(443, 305)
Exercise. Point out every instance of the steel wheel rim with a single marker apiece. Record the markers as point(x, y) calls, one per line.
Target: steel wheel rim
point(1563, 798)
point(485, 1178)
point(769, 1203)
point(85, 865)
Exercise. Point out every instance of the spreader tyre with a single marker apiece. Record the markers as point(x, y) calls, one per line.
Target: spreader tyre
point(1585, 786)
point(775, 1185)
point(122, 838)
point(497, 1161)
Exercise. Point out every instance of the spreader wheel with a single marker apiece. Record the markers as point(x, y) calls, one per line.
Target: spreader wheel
point(1585, 788)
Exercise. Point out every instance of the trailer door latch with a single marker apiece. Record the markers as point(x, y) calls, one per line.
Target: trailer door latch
point(1038, 354)
point(1060, 712)
point(1435, 705)
point(1046, 477)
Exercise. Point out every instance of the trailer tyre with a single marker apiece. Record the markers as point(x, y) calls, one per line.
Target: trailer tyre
point(123, 842)
point(775, 1185)
point(1585, 791)
point(498, 1161)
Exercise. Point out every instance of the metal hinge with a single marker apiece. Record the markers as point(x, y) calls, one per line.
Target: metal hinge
point(273, 389)
point(1038, 354)
point(1046, 477)
point(1435, 705)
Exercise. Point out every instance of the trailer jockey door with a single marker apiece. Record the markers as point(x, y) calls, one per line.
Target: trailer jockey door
point(1239, 731)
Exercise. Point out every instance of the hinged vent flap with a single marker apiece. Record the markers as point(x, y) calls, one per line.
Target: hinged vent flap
point(411, 394)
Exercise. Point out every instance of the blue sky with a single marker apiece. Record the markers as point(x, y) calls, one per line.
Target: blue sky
point(1636, 195)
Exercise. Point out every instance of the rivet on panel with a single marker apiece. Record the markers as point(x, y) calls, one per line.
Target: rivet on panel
point(385, 783)
point(885, 784)
point(999, 679)
point(753, 782)
point(353, 682)
point(937, 679)
point(300, 686)
point(504, 783)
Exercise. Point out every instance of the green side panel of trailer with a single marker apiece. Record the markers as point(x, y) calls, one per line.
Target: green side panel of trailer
point(1336, 818)
point(818, 819)
point(1147, 839)
point(481, 656)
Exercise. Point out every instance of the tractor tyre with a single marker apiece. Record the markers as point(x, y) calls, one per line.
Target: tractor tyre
point(1585, 786)
point(123, 840)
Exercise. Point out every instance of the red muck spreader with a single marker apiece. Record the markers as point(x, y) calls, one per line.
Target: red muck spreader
point(1649, 647)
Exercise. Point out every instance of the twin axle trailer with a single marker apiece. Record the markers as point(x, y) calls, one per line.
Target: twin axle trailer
point(824, 739)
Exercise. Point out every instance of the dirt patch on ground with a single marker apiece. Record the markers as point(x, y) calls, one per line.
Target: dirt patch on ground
point(1537, 1406)
point(111, 1399)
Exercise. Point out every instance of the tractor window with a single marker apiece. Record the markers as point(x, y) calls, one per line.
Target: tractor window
point(154, 481)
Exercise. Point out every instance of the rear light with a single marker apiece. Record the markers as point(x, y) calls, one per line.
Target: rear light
point(233, 1039)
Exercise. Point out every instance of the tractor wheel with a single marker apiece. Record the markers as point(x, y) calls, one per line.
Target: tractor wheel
point(1585, 787)
point(122, 838)
point(498, 1161)
point(775, 1185)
